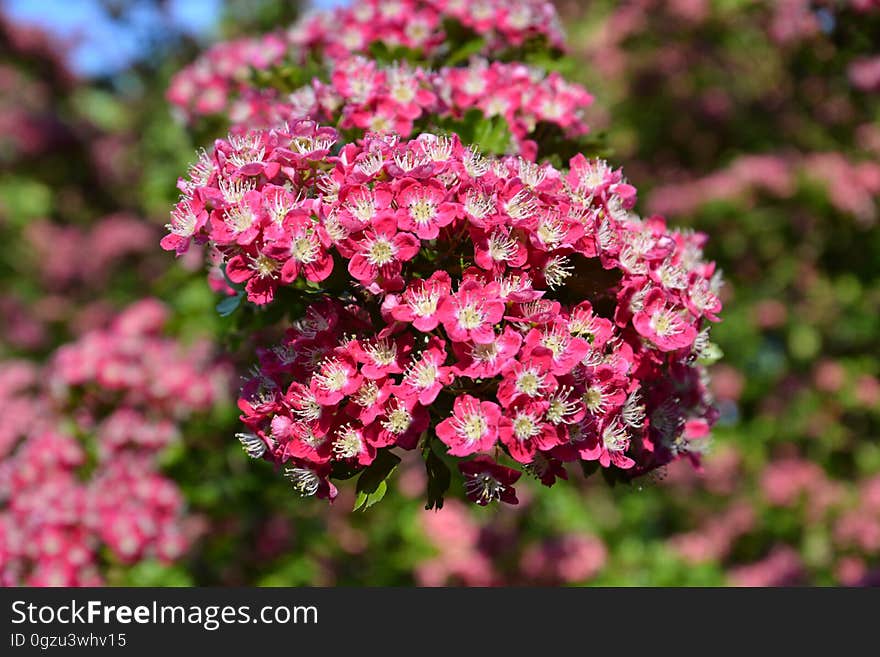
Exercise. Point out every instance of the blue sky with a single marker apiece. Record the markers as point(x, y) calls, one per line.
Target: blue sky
point(100, 46)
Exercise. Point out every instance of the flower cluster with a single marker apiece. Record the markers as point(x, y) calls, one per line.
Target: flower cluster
point(109, 241)
point(369, 96)
point(365, 95)
point(223, 71)
point(74, 475)
point(419, 25)
point(502, 305)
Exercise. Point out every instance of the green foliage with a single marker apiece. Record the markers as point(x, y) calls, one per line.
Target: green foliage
point(230, 304)
point(491, 134)
point(439, 476)
point(372, 485)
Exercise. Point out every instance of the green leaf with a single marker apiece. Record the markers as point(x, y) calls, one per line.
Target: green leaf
point(465, 51)
point(383, 54)
point(152, 573)
point(289, 76)
point(24, 200)
point(229, 305)
point(371, 486)
point(493, 135)
point(365, 500)
point(553, 143)
point(458, 34)
point(439, 479)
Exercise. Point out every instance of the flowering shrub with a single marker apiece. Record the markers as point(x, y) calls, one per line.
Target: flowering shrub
point(80, 445)
point(752, 122)
point(477, 308)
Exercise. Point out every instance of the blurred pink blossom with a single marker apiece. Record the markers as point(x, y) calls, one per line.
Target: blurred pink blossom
point(781, 567)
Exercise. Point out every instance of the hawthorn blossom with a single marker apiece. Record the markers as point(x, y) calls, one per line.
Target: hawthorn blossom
point(472, 428)
point(336, 377)
point(486, 481)
point(470, 313)
point(460, 294)
point(664, 326)
point(379, 255)
point(525, 431)
point(132, 389)
point(423, 209)
point(401, 423)
point(420, 301)
point(301, 250)
point(425, 376)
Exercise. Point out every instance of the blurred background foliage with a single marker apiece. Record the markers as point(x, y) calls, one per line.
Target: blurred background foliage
point(750, 121)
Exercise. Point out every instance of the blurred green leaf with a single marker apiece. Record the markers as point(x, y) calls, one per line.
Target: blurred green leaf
point(230, 304)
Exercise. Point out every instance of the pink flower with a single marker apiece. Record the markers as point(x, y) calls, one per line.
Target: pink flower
point(360, 205)
point(486, 481)
point(472, 428)
point(420, 301)
point(479, 361)
point(381, 357)
point(309, 479)
point(349, 442)
point(401, 423)
point(565, 351)
point(608, 445)
point(187, 219)
point(497, 249)
point(526, 379)
point(524, 430)
point(260, 273)
point(426, 374)
point(423, 209)
point(240, 222)
point(336, 377)
point(472, 313)
point(308, 441)
point(301, 250)
point(379, 254)
point(664, 326)
point(369, 400)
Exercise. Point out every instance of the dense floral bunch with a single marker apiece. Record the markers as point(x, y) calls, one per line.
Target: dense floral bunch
point(368, 95)
point(205, 87)
point(419, 25)
point(362, 94)
point(502, 305)
point(79, 446)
